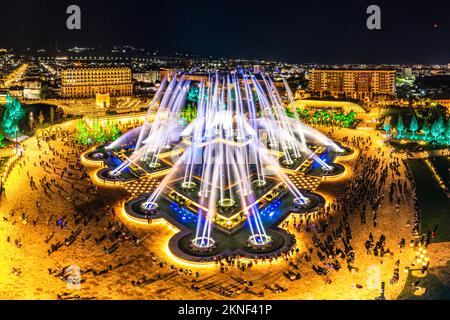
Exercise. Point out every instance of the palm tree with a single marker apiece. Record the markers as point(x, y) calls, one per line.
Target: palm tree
point(316, 117)
point(305, 114)
point(325, 117)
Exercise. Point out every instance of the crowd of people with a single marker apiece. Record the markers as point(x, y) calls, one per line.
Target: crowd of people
point(330, 228)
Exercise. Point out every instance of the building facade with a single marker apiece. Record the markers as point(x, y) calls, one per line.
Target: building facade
point(442, 99)
point(167, 73)
point(150, 76)
point(32, 88)
point(87, 82)
point(353, 84)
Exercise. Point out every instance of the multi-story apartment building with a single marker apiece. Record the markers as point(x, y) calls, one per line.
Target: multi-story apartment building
point(150, 76)
point(354, 84)
point(87, 82)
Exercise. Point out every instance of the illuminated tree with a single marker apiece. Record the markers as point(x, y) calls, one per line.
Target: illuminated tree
point(447, 130)
point(436, 129)
point(325, 117)
point(387, 126)
point(289, 113)
point(41, 118)
point(305, 114)
point(441, 124)
point(2, 138)
point(187, 113)
point(426, 128)
point(255, 96)
point(193, 94)
point(338, 118)
point(316, 117)
point(31, 121)
point(82, 135)
point(98, 134)
point(350, 118)
point(400, 126)
point(52, 114)
point(335, 118)
point(414, 125)
point(12, 116)
point(115, 133)
point(108, 130)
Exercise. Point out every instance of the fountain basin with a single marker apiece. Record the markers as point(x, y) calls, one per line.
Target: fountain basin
point(203, 244)
point(301, 202)
point(260, 241)
point(150, 207)
point(259, 183)
point(188, 186)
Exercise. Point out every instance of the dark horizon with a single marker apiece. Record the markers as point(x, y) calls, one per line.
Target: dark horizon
point(322, 32)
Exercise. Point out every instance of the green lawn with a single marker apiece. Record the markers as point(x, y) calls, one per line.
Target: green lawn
point(442, 165)
point(435, 212)
point(432, 200)
point(437, 286)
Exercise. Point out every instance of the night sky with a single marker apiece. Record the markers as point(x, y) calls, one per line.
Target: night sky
point(315, 31)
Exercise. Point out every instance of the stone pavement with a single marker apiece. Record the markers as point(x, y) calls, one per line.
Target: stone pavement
point(31, 279)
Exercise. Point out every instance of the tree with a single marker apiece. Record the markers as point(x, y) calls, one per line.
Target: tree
point(305, 114)
point(289, 113)
point(436, 129)
point(316, 117)
point(324, 116)
point(31, 121)
point(2, 137)
point(447, 130)
point(349, 120)
point(188, 110)
point(387, 126)
point(193, 94)
point(14, 112)
point(426, 127)
point(41, 118)
point(414, 126)
point(341, 118)
point(115, 133)
point(82, 135)
point(52, 114)
point(400, 126)
point(441, 124)
point(107, 130)
point(98, 134)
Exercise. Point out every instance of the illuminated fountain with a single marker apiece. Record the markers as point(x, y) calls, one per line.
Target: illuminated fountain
point(188, 186)
point(327, 169)
point(114, 174)
point(203, 244)
point(98, 156)
point(230, 162)
point(154, 165)
point(301, 202)
point(259, 183)
point(259, 241)
point(150, 207)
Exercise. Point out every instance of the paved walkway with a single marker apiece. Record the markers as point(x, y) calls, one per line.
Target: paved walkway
point(24, 272)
